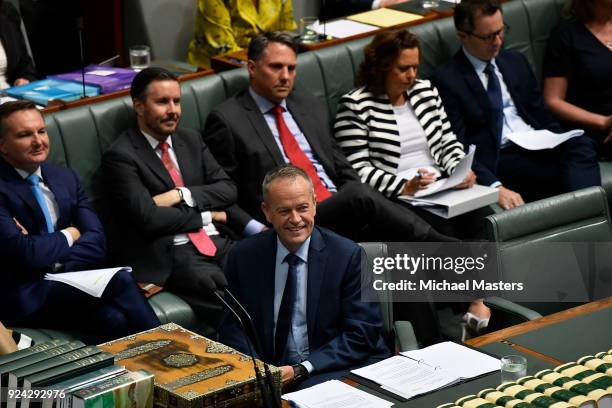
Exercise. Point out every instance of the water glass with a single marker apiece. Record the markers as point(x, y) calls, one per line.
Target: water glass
point(140, 57)
point(307, 34)
point(430, 3)
point(513, 367)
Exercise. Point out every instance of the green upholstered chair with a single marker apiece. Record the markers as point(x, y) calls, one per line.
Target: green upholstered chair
point(398, 335)
point(522, 234)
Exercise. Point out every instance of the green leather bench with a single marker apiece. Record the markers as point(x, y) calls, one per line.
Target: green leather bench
point(80, 135)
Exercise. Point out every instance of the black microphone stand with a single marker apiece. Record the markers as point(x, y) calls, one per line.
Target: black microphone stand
point(79, 22)
point(269, 401)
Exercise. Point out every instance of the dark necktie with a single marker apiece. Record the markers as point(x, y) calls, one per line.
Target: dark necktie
point(285, 312)
point(199, 238)
point(495, 98)
point(34, 181)
point(296, 155)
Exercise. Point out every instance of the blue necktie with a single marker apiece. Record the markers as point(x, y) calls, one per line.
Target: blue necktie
point(34, 181)
point(495, 98)
point(285, 312)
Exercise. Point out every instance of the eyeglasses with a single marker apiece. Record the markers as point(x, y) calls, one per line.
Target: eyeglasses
point(492, 37)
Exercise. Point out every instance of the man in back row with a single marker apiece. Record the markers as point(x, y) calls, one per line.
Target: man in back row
point(47, 226)
point(270, 124)
point(490, 93)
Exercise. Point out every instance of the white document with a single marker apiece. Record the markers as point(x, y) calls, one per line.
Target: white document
point(92, 282)
point(542, 139)
point(335, 394)
point(342, 28)
point(459, 174)
point(406, 377)
point(450, 203)
point(463, 361)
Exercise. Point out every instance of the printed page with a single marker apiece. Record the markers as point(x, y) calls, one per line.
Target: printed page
point(92, 282)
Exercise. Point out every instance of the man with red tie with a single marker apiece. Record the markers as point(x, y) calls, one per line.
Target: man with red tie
point(270, 124)
point(167, 197)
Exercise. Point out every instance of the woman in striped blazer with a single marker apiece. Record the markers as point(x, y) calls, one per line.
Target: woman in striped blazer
point(393, 129)
point(395, 133)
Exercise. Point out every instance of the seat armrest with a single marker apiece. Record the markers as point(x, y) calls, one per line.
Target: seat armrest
point(506, 306)
point(404, 336)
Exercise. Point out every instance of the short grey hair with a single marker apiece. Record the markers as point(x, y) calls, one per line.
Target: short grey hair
point(286, 171)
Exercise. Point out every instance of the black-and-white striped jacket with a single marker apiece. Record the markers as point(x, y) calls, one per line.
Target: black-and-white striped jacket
point(368, 133)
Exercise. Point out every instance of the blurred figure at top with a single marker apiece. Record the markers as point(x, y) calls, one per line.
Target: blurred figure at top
point(229, 25)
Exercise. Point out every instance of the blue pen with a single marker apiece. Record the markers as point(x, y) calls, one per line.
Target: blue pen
point(293, 404)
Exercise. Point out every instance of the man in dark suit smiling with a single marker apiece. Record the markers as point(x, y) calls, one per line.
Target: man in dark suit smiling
point(168, 197)
point(302, 286)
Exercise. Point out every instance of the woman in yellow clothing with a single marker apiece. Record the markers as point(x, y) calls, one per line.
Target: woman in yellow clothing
point(228, 25)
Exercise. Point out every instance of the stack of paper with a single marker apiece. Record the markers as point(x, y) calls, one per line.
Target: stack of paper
point(418, 372)
point(333, 394)
point(384, 17)
point(342, 28)
point(92, 282)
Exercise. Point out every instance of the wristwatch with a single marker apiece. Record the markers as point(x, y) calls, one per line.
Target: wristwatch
point(300, 373)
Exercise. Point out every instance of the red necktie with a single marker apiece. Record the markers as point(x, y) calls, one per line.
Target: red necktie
point(198, 238)
point(296, 155)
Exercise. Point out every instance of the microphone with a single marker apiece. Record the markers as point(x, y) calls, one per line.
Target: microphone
point(79, 24)
point(213, 284)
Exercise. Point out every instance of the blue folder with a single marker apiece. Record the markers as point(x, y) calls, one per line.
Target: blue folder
point(47, 90)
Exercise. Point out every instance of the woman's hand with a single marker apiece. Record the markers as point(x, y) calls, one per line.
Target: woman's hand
point(468, 181)
point(418, 182)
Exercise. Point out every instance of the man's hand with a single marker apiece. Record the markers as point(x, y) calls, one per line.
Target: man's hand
point(468, 181)
point(20, 81)
point(287, 375)
point(419, 182)
point(219, 216)
point(21, 227)
point(509, 199)
point(75, 233)
point(168, 199)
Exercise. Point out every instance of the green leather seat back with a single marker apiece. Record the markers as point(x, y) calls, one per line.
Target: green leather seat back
point(578, 216)
point(56, 152)
point(338, 74)
point(204, 95)
point(234, 81)
point(355, 50)
point(526, 253)
point(439, 42)
point(309, 75)
point(542, 17)
point(519, 36)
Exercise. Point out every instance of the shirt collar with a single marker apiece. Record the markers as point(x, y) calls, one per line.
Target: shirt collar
point(154, 142)
point(478, 64)
point(24, 174)
point(302, 252)
point(263, 104)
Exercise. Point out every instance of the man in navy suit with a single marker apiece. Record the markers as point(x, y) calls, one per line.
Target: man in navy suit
point(48, 226)
point(489, 93)
point(302, 286)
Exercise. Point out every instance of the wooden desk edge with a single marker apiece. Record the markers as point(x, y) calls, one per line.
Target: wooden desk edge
point(541, 322)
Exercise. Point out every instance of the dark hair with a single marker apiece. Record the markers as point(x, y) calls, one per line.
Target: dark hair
point(465, 13)
point(380, 55)
point(142, 80)
point(258, 45)
point(285, 171)
point(583, 10)
point(8, 108)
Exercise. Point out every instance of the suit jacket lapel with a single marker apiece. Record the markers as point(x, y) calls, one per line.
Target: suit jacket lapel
point(183, 157)
point(258, 122)
point(317, 261)
point(267, 266)
point(148, 156)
